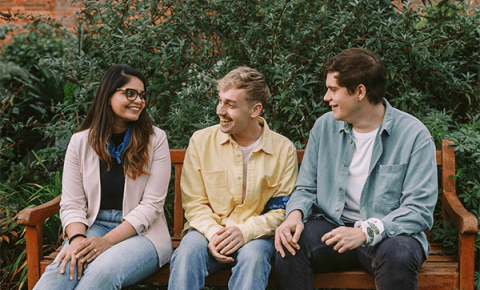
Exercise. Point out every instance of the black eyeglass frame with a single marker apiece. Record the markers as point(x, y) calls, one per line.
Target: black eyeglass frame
point(143, 96)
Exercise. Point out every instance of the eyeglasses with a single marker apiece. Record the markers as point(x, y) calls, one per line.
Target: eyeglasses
point(132, 94)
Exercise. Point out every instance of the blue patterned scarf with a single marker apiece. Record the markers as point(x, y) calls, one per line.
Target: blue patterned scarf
point(116, 152)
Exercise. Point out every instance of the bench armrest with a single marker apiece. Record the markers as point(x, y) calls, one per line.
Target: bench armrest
point(465, 221)
point(35, 215)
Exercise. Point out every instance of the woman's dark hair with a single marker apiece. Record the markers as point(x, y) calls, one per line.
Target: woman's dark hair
point(357, 66)
point(100, 119)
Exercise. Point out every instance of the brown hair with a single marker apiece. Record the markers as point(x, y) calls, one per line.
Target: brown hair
point(248, 79)
point(357, 66)
point(100, 119)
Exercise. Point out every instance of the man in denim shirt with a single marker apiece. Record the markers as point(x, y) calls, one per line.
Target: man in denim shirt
point(369, 177)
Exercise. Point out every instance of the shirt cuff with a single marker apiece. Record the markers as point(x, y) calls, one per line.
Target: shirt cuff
point(373, 230)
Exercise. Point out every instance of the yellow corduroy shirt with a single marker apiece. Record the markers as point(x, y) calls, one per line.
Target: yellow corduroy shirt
point(212, 181)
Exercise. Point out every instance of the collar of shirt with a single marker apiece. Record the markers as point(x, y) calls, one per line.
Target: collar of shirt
point(266, 144)
point(386, 124)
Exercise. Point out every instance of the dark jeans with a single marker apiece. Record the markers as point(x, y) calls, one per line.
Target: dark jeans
point(394, 261)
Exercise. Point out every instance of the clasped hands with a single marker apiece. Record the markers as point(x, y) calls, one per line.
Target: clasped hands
point(225, 242)
point(342, 238)
point(80, 252)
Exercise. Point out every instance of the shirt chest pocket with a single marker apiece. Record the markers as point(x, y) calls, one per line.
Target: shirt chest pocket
point(388, 186)
point(269, 189)
point(216, 186)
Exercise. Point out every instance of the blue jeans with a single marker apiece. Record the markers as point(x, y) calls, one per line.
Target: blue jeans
point(121, 265)
point(191, 263)
point(394, 261)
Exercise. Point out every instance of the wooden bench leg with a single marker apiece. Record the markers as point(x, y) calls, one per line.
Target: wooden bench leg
point(34, 237)
point(466, 253)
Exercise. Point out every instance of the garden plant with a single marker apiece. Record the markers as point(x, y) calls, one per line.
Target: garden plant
point(49, 73)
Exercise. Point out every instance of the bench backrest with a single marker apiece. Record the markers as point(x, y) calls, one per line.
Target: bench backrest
point(445, 159)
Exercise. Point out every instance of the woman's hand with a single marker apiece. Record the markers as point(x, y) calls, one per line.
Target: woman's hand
point(70, 255)
point(91, 248)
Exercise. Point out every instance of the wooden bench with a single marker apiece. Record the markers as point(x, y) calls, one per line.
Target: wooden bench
point(441, 271)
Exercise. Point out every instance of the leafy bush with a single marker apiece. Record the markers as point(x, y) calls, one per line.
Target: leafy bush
point(12, 238)
point(431, 55)
point(33, 42)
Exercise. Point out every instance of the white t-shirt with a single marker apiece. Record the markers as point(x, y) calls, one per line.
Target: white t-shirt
point(246, 152)
point(357, 174)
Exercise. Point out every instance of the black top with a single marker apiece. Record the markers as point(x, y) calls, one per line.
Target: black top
point(112, 181)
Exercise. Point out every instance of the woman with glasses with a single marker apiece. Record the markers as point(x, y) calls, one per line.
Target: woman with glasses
point(115, 180)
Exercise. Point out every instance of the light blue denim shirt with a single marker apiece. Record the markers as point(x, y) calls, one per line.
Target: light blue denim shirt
point(401, 187)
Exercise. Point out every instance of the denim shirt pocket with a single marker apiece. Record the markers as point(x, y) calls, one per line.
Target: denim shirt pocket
point(388, 186)
point(216, 186)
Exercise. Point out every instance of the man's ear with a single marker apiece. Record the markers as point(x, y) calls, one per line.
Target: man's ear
point(256, 110)
point(361, 92)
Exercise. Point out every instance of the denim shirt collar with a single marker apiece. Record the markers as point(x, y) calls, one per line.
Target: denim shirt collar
point(265, 145)
point(387, 123)
point(386, 126)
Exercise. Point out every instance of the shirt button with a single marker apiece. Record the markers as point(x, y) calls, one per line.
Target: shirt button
point(239, 177)
point(392, 232)
point(346, 164)
point(350, 141)
point(239, 155)
point(339, 188)
point(337, 209)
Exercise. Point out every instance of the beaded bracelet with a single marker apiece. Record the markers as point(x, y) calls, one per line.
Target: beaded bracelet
point(76, 236)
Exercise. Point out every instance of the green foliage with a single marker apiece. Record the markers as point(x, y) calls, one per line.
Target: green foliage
point(9, 71)
point(467, 153)
point(430, 53)
point(6, 29)
point(48, 88)
point(183, 47)
point(34, 41)
point(12, 238)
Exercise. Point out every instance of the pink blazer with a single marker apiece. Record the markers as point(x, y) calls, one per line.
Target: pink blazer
point(143, 199)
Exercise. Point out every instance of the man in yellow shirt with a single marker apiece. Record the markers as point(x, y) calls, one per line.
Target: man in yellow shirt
point(236, 179)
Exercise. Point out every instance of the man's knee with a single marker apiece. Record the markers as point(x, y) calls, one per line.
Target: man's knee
point(401, 253)
point(283, 264)
point(185, 255)
point(194, 246)
point(256, 252)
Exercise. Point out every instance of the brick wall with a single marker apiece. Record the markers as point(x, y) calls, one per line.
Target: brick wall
point(62, 10)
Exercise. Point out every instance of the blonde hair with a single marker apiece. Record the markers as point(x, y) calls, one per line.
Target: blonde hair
point(247, 79)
